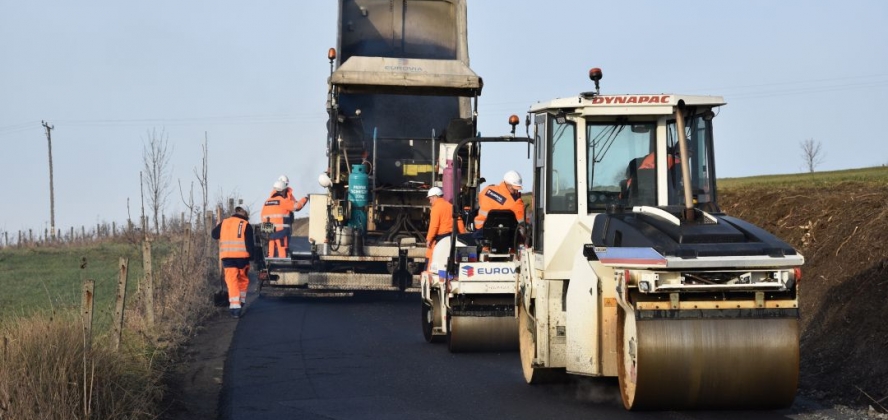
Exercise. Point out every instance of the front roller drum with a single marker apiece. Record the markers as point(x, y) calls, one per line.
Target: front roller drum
point(533, 373)
point(737, 363)
point(482, 333)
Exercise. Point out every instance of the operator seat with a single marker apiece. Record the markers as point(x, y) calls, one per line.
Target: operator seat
point(639, 187)
point(499, 231)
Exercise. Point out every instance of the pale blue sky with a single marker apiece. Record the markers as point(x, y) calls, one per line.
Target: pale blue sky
point(252, 75)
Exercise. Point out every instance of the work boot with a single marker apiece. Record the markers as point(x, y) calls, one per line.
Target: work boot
point(235, 312)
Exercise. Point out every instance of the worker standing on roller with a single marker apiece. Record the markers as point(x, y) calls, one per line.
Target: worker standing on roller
point(503, 196)
point(441, 220)
point(278, 210)
point(235, 237)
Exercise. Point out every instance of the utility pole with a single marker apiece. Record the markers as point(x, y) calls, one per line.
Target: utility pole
point(52, 224)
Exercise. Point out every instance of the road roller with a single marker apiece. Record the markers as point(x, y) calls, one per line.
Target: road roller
point(630, 269)
point(473, 310)
point(468, 291)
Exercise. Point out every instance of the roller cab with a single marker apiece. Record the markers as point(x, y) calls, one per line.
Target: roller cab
point(633, 271)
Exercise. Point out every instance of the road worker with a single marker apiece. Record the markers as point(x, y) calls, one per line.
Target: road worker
point(503, 196)
point(278, 210)
point(235, 237)
point(648, 162)
point(441, 222)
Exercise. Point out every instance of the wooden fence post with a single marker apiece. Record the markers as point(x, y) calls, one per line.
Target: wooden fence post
point(120, 306)
point(87, 312)
point(149, 281)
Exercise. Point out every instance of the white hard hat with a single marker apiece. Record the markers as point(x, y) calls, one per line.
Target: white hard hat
point(284, 179)
point(435, 191)
point(325, 180)
point(243, 207)
point(512, 178)
point(280, 185)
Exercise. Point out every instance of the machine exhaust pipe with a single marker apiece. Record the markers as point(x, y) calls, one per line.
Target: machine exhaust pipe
point(683, 155)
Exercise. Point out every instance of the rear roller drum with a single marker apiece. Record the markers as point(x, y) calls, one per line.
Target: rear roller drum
point(738, 363)
point(430, 315)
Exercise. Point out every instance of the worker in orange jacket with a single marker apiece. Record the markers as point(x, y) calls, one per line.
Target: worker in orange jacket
point(441, 223)
point(278, 210)
point(503, 196)
point(673, 160)
point(235, 237)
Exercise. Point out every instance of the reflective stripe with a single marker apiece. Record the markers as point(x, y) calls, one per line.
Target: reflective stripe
point(483, 212)
point(232, 246)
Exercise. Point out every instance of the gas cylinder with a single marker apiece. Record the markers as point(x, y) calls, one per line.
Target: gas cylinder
point(358, 193)
point(448, 180)
point(358, 196)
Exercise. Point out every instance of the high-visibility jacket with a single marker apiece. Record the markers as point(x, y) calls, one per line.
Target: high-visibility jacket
point(498, 197)
point(287, 194)
point(648, 162)
point(235, 238)
point(441, 222)
point(277, 210)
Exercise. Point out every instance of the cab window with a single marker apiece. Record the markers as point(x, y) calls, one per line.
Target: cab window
point(561, 171)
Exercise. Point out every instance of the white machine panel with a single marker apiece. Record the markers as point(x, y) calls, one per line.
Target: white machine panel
point(317, 218)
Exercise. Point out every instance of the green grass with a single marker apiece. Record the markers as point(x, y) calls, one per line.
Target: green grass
point(50, 278)
point(876, 175)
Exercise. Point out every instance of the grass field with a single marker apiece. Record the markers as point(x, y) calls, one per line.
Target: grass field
point(876, 175)
point(51, 370)
point(50, 278)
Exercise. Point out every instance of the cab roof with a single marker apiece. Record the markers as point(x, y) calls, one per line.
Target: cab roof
point(628, 104)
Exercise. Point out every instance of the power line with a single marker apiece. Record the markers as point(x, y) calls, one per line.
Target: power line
point(222, 120)
point(29, 125)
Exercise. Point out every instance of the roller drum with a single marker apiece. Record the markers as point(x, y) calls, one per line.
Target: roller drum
point(748, 363)
point(482, 333)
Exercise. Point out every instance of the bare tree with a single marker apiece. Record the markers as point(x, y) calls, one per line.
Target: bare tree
point(156, 155)
point(202, 178)
point(812, 153)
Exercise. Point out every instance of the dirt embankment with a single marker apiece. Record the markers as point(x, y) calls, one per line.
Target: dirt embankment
point(843, 233)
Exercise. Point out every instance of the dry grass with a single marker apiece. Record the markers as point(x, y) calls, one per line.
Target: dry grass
point(47, 370)
point(48, 373)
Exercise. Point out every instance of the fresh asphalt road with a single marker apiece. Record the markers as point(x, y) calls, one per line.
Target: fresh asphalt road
point(364, 357)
